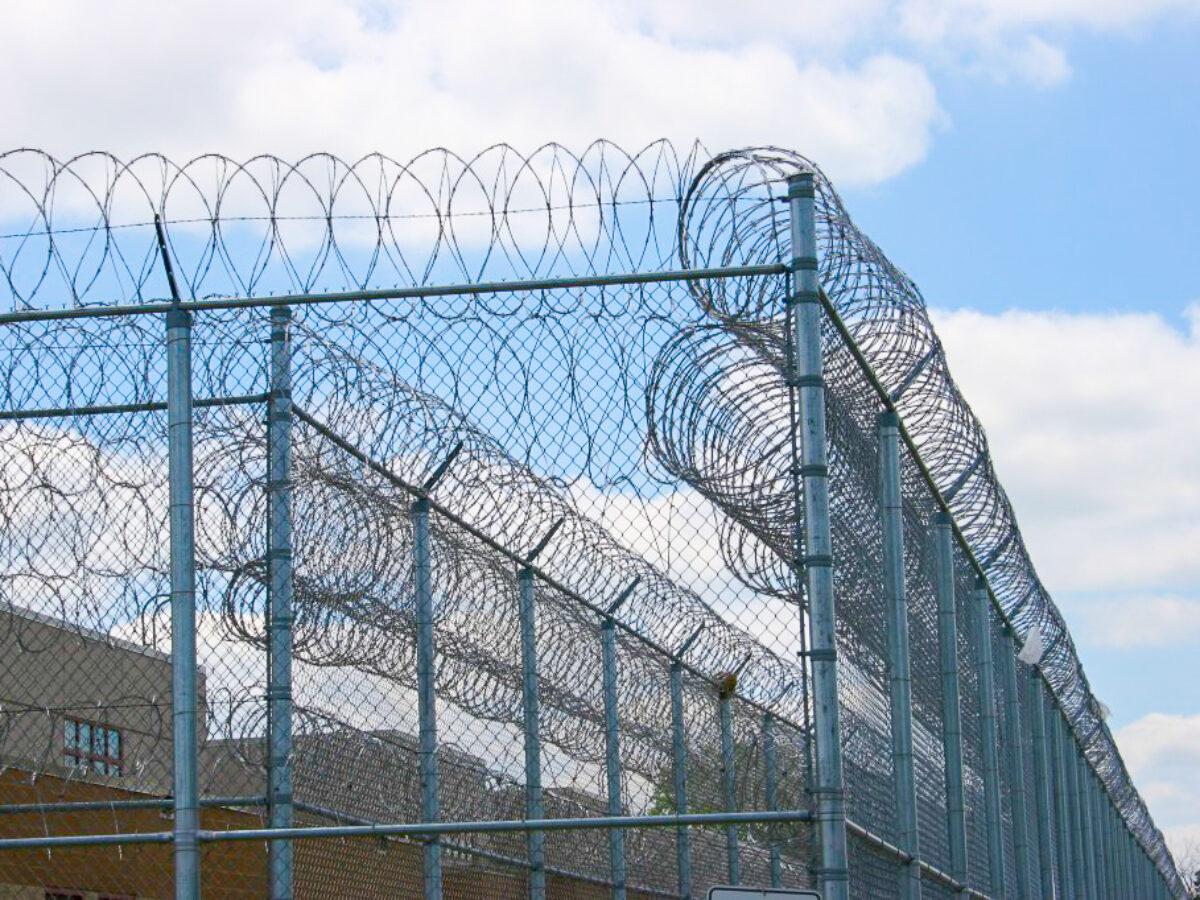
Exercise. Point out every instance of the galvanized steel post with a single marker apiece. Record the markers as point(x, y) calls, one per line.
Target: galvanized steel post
point(729, 774)
point(1143, 869)
point(1097, 816)
point(1134, 873)
point(1041, 782)
point(956, 819)
point(1131, 854)
point(612, 754)
point(1085, 820)
point(1112, 870)
point(679, 771)
point(279, 574)
point(533, 752)
point(1121, 846)
point(1124, 842)
point(427, 740)
point(1071, 792)
point(1106, 832)
point(989, 740)
point(770, 790)
point(806, 379)
point(1062, 834)
point(891, 514)
point(183, 604)
point(1016, 767)
point(1122, 855)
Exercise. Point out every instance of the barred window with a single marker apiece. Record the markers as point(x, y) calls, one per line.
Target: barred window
point(92, 746)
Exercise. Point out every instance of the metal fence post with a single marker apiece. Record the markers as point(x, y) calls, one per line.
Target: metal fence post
point(891, 513)
point(679, 767)
point(1085, 820)
point(1097, 811)
point(533, 752)
point(427, 739)
point(1041, 782)
point(1143, 871)
point(183, 603)
point(1123, 855)
point(1062, 835)
point(729, 777)
point(279, 562)
point(956, 818)
point(612, 754)
point(1100, 832)
point(1113, 871)
point(1139, 858)
point(1016, 767)
point(1071, 792)
point(805, 378)
point(1135, 869)
point(990, 741)
point(770, 789)
point(1131, 853)
point(1110, 864)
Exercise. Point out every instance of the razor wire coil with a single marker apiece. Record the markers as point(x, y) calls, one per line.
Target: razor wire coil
point(696, 395)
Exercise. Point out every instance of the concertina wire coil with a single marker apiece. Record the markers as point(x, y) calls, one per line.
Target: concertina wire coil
point(80, 232)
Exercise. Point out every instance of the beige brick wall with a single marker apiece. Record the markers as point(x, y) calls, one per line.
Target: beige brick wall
point(50, 672)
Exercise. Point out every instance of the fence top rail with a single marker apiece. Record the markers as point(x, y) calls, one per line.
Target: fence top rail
point(422, 292)
point(266, 232)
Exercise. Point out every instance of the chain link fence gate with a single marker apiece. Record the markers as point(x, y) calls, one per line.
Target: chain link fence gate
point(598, 525)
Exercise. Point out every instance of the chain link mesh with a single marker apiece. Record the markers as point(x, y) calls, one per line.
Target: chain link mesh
point(628, 444)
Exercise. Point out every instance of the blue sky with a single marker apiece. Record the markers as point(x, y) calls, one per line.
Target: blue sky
point(1031, 164)
point(1079, 197)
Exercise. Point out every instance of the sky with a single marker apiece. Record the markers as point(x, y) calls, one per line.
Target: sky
point(1030, 163)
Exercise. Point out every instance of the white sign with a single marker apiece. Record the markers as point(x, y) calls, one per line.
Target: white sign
point(749, 893)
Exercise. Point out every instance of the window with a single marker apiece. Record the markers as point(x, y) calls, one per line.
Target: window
point(92, 746)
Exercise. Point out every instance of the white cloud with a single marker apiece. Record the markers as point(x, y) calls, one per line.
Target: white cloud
point(1184, 843)
point(1008, 38)
point(1163, 756)
point(944, 16)
point(298, 77)
point(1093, 426)
point(1040, 63)
point(847, 83)
point(1140, 620)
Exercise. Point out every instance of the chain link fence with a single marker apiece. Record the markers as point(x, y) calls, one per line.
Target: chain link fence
point(598, 525)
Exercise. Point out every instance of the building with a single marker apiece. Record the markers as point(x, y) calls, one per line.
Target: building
point(86, 719)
